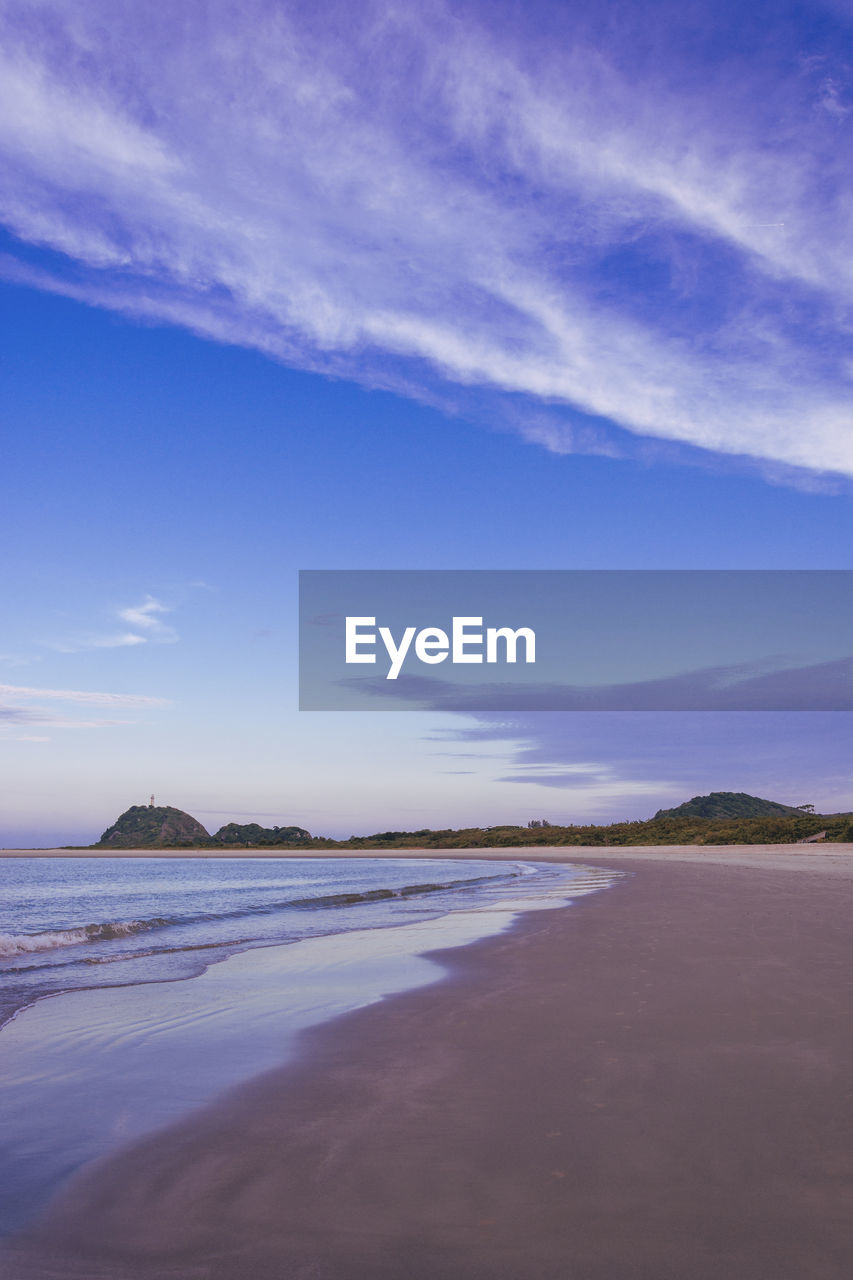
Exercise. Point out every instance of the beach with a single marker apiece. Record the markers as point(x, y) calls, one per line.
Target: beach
point(653, 1083)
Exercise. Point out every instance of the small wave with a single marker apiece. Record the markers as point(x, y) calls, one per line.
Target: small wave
point(174, 951)
point(376, 895)
point(337, 899)
point(15, 944)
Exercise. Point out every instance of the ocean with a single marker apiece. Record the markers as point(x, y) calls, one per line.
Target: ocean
point(136, 990)
point(69, 923)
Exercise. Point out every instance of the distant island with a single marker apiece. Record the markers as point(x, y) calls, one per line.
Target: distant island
point(720, 818)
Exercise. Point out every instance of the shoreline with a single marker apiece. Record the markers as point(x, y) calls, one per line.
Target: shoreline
point(778, 856)
point(155, 1053)
point(654, 1082)
point(835, 859)
point(154, 1050)
point(513, 896)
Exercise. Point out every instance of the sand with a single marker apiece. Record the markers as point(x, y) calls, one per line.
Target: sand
point(806, 857)
point(653, 1084)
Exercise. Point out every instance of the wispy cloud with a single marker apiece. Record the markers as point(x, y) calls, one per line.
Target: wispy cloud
point(27, 693)
point(127, 640)
point(597, 783)
point(13, 715)
point(599, 234)
point(18, 715)
point(600, 766)
point(31, 706)
point(146, 618)
point(146, 615)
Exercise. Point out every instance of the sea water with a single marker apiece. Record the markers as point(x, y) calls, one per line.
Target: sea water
point(140, 989)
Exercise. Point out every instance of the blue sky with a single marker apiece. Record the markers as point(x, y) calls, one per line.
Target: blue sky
point(434, 286)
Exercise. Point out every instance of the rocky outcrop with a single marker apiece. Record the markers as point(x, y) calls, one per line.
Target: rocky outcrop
point(144, 826)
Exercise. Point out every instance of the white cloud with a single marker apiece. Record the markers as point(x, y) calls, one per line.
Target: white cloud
point(146, 617)
point(589, 782)
point(657, 253)
point(31, 706)
point(27, 693)
point(117, 642)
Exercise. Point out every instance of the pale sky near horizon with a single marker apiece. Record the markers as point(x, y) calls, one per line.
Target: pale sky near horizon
point(447, 285)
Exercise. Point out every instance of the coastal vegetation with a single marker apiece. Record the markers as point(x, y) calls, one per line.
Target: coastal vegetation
point(143, 825)
point(721, 818)
point(733, 804)
point(148, 826)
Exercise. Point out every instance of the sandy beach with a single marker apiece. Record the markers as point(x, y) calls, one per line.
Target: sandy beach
point(652, 1084)
point(797, 857)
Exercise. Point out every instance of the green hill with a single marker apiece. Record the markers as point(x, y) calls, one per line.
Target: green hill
point(723, 817)
point(251, 834)
point(157, 826)
point(144, 826)
point(729, 804)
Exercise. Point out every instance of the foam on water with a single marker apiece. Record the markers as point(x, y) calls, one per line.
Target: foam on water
point(14, 944)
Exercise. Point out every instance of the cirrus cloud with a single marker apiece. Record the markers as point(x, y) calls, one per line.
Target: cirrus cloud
point(28, 705)
point(27, 693)
point(629, 238)
point(147, 620)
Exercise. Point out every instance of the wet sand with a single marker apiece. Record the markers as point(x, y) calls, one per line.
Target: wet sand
point(653, 1084)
